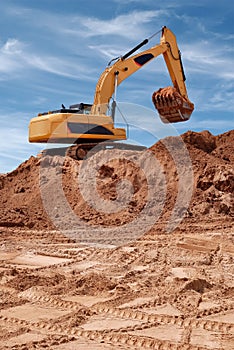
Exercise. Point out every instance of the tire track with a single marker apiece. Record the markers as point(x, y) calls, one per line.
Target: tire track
point(72, 260)
point(215, 310)
point(79, 254)
point(129, 313)
point(107, 336)
point(128, 337)
point(47, 342)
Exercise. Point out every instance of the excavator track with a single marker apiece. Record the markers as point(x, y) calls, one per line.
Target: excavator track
point(82, 151)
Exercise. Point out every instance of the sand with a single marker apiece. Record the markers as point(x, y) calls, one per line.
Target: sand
point(152, 288)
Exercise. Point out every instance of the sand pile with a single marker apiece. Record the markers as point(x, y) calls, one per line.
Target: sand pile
point(20, 201)
point(211, 158)
point(91, 284)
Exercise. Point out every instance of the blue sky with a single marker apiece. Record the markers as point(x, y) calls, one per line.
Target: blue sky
point(53, 52)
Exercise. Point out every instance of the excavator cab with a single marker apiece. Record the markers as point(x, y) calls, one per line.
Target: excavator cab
point(81, 108)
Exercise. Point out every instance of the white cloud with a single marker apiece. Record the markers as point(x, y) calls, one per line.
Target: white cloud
point(107, 51)
point(17, 57)
point(75, 60)
point(60, 66)
point(10, 56)
point(129, 25)
point(12, 47)
point(208, 59)
point(213, 98)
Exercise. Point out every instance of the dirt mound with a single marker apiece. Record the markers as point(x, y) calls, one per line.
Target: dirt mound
point(20, 202)
point(90, 284)
point(8, 300)
point(211, 159)
point(225, 147)
point(26, 280)
point(93, 283)
point(203, 140)
point(198, 285)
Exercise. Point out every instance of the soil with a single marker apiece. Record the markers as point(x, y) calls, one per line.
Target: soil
point(164, 289)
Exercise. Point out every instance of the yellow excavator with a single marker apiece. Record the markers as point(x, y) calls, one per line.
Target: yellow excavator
point(85, 125)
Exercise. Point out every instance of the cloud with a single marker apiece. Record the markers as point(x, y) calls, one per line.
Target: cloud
point(65, 66)
point(12, 47)
point(72, 61)
point(14, 146)
point(128, 25)
point(10, 57)
point(16, 57)
point(206, 58)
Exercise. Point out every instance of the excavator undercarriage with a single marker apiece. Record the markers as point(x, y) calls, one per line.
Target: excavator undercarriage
point(83, 151)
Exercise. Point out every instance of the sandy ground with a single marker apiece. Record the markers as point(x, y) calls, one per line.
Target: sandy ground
point(153, 288)
point(163, 291)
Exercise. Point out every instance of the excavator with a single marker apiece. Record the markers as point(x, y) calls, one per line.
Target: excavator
point(86, 126)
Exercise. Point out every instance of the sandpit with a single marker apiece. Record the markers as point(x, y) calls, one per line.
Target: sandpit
point(160, 290)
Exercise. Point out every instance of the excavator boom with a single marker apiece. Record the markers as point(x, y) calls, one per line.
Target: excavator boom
point(172, 104)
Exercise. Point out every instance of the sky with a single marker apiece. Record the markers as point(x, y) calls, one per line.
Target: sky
point(53, 52)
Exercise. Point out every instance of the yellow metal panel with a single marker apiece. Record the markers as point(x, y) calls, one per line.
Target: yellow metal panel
point(52, 127)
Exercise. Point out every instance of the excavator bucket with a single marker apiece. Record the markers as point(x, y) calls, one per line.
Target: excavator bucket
point(171, 106)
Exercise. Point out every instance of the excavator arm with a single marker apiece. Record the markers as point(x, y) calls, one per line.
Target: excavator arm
point(172, 104)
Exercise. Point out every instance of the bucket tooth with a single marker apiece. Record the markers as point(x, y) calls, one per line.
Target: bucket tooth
point(171, 106)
